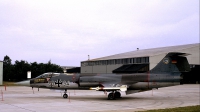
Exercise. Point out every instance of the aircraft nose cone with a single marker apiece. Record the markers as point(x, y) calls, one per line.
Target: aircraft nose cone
point(23, 83)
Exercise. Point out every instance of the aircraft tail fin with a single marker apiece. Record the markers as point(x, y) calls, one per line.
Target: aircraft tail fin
point(172, 62)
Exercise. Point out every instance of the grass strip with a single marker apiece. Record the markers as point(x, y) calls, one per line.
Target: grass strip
point(178, 109)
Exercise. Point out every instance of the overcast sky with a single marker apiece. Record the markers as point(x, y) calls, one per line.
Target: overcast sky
point(67, 31)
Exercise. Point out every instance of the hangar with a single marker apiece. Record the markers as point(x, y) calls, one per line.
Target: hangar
point(139, 61)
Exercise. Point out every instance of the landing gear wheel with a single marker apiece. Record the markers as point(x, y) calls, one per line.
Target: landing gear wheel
point(111, 96)
point(65, 95)
point(117, 95)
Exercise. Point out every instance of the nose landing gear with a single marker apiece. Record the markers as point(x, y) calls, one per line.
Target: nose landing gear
point(65, 94)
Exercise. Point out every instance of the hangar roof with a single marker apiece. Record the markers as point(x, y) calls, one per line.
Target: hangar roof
point(147, 52)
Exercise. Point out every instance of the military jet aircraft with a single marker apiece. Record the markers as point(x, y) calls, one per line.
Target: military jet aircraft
point(166, 73)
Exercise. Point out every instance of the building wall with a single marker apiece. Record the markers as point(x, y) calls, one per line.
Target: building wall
point(86, 69)
point(99, 69)
point(1, 73)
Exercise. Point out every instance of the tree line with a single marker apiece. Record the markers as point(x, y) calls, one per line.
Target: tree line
point(18, 70)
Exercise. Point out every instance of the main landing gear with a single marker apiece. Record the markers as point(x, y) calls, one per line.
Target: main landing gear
point(113, 95)
point(65, 94)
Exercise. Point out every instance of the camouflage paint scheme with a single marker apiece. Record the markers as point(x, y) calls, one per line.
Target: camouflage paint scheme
point(166, 73)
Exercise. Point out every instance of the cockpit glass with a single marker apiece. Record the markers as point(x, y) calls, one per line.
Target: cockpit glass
point(48, 75)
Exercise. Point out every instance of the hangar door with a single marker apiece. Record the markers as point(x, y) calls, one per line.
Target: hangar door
point(132, 68)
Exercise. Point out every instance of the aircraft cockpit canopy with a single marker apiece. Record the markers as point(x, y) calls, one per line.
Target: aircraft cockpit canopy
point(48, 75)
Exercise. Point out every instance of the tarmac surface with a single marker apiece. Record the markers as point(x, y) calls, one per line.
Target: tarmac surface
point(24, 99)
